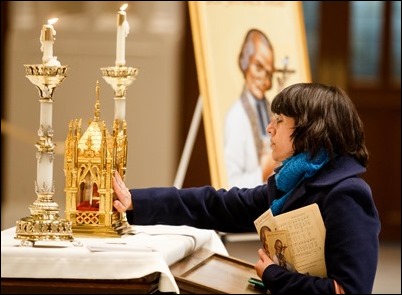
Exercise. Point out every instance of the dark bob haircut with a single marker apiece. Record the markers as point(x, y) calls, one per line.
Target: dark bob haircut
point(325, 117)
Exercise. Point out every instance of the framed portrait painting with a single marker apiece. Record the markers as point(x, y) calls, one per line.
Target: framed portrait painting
point(246, 52)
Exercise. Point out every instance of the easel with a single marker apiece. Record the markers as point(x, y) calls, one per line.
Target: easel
point(189, 144)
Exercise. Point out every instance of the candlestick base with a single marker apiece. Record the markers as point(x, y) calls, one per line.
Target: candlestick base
point(44, 223)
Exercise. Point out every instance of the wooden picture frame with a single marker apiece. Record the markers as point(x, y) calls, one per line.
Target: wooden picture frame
point(219, 29)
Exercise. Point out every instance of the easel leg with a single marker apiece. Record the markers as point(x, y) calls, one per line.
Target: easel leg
point(188, 147)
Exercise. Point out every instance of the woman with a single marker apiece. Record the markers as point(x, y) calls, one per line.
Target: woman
point(318, 136)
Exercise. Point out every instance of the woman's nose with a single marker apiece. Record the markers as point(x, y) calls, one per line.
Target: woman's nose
point(269, 128)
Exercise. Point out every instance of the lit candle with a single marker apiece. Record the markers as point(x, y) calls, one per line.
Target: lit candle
point(47, 40)
point(122, 32)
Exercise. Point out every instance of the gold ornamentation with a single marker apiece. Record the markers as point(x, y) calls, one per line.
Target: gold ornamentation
point(91, 158)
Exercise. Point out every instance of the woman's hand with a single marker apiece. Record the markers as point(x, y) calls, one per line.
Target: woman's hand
point(124, 201)
point(263, 262)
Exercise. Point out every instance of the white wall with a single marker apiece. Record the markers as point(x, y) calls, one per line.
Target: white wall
point(85, 41)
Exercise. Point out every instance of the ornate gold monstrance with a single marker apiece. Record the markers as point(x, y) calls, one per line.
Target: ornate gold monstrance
point(91, 158)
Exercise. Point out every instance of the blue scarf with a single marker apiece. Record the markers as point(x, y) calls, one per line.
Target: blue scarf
point(294, 170)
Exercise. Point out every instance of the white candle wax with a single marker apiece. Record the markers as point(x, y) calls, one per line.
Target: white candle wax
point(46, 114)
point(47, 51)
point(44, 177)
point(120, 109)
point(47, 37)
point(122, 32)
point(47, 41)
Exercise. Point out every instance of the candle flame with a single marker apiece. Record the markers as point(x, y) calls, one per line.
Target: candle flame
point(123, 7)
point(52, 21)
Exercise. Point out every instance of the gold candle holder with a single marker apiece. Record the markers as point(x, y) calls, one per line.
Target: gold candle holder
point(44, 223)
point(119, 78)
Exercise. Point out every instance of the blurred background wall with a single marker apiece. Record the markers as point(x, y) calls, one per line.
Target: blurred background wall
point(354, 44)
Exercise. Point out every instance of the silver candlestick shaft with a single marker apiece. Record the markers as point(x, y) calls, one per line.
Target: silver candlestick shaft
point(44, 223)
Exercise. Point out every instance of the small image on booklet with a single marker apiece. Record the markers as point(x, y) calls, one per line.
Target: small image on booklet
point(295, 240)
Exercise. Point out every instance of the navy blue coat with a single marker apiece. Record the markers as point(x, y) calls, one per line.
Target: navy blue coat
point(345, 201)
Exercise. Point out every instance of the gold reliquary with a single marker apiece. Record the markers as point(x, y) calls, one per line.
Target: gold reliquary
point(91, 158)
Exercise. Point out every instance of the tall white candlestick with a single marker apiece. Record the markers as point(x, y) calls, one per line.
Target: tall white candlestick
point(123, 29)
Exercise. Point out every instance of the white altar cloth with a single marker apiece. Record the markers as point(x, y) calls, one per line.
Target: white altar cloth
point(152, 249)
